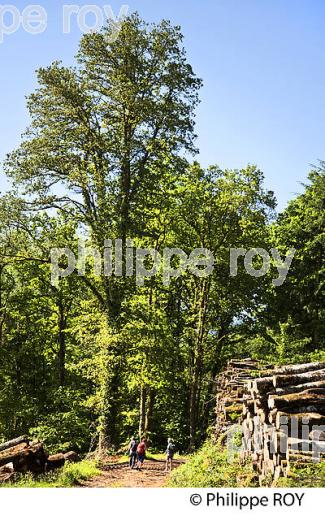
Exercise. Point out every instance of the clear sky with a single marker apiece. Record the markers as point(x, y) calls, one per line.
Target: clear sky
point(263, 66)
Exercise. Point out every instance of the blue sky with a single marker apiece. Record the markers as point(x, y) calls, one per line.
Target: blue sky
point(263, 66)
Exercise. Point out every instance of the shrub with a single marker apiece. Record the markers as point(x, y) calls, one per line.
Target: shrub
point(70, 475)
point(210, 467)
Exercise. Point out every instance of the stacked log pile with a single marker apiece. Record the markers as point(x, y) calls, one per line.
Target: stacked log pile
point(21, 455)
point(284, 419)
point(231, 389)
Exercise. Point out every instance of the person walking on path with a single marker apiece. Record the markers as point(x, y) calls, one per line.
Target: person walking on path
point(141, 452)
point(170, 452)
point(133, 452)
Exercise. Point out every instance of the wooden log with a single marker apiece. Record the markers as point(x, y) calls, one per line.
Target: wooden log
point(299, 388)
point(55, 462)
point(229, 401)
point(71, 456)
point(317, 435)
point(8, 468)
point(14, 442)
point(302, 459)
point(277, 473)
point(263, 384)
point(7, 477)
point(236, 408)
point(272, 416)
point(300, 453)
point(299, 420)
point(306, 445)
point(297, 379)
point(248, 406)
point(25, 457)
point(296, 401)
point(299, 369)
point(262, 415)
point(32, 459)
point(278, 442)
point(13, 453)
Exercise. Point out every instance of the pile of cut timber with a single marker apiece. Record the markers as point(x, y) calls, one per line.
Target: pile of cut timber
point(230, 391)
point(21, 455)
point(284, 419)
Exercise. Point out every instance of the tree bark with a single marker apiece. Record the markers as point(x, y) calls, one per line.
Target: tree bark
point(14, 442)
point(108, 434)
point(142, 418)
point(149, 412)
point(62, 323)
point(198, 363)
point(296, 379)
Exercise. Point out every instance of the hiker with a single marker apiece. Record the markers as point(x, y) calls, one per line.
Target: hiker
point(141, 452)
point(170, 451)
point(133, 452)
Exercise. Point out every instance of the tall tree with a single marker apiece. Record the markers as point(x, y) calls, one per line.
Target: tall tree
point(101, 137)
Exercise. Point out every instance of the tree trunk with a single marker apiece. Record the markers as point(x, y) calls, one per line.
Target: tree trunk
point(149, 412)
point(142, 418)
point(108, 434)
point(198, 363)
point(62, 344)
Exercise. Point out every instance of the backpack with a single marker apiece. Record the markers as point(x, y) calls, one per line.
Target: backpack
point(133, 447)
point(170, 448)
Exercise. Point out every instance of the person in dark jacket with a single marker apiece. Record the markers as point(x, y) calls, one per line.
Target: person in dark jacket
point(170, 452)
point(133, 446)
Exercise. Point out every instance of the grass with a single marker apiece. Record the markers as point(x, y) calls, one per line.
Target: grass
point(69, 476)
point(312, 475)
point(210, 467)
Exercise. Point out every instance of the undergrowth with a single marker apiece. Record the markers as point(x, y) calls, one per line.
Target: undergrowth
point(210, 467)
point(312, 475)
point(70, 475)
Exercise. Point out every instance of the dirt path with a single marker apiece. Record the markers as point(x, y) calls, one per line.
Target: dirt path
point(152, 475)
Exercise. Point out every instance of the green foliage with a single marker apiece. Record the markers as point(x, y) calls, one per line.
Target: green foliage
point(312, 475)
point(210, 467)
point(96, 359)
point(70, 475)
point(73, 474)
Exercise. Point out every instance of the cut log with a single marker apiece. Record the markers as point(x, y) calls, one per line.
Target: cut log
point(303, 459)
point(71, 456)
point(300, 453)
point(32, 459)
point(299, 388)
point(55, 461)
point(25, 458)
point(295, 401)
point(8, 468)
point(14, 442)
point(299, 420)
point(297, 379)
point(13, 453)
point(306, 445)
point(263, 384)
point(299, 369)
point(317, 435)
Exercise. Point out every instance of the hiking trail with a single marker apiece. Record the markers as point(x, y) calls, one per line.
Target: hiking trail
point(152, 475)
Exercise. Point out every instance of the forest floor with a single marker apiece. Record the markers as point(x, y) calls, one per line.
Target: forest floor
point(152, 475)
